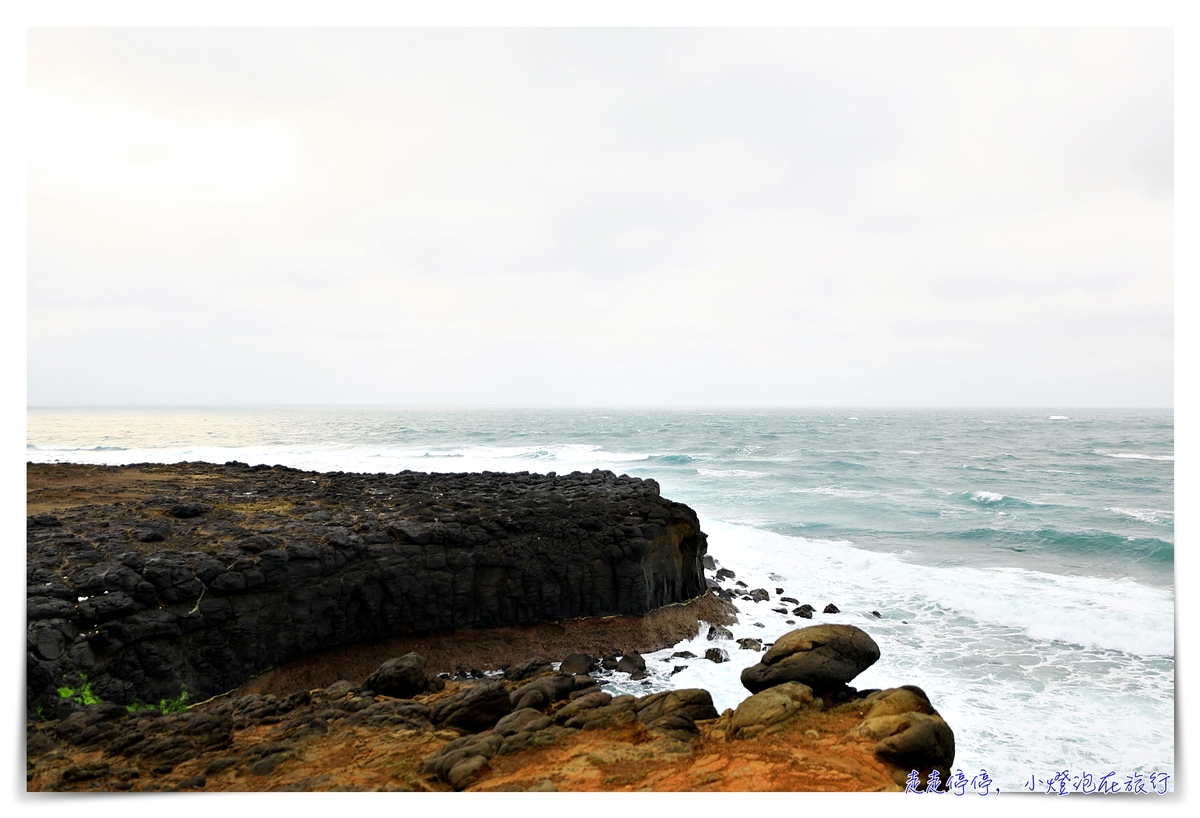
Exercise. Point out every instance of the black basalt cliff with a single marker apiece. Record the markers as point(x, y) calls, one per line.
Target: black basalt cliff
point(207, 574)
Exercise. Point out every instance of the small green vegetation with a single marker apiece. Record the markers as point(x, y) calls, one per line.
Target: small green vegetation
point(164, 706)
point(82, 694)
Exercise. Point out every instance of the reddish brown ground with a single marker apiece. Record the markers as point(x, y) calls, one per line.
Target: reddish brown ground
point(810, 753)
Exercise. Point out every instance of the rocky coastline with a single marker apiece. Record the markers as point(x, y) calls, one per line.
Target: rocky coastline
point(305, 631)
point(151, 577)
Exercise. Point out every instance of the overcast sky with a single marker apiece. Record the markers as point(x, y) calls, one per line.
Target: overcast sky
point(601, 217)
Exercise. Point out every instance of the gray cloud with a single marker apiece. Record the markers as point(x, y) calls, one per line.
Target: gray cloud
point(603, 216)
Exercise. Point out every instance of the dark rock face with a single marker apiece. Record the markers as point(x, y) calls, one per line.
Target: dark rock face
point(236, 569)
point(824, 657)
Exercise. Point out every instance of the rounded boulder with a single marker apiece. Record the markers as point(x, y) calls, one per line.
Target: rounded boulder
point(824, 657)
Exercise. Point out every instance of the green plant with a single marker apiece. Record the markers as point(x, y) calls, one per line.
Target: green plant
point(164, 706)
point(82, 694)
point(175, 705)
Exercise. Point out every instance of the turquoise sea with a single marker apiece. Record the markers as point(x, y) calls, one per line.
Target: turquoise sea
point(1022, 561)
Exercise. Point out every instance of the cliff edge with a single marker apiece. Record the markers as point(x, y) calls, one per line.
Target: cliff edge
point(147, 579)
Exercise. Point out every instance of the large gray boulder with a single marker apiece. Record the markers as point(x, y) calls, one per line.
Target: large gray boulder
point(403, 677)
point(824, 657)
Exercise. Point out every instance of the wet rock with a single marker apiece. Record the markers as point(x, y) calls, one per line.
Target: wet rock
point(631, 662)
point(717, 632)
point(877, 614)
point(823, 657)
point(760, 595)
point(725, 573)
point(831, 609)
point(709, 563)
point(717, 655)
point(804, 612)
point(578, 663)
point(750, 644)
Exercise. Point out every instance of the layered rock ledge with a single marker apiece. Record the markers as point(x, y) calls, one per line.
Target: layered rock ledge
point(146, 579)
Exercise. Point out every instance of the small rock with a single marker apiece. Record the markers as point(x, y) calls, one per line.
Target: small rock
point(631, 662)
point(578, 663)
point(717, 655)
point(527, 670)
point(877, 614)
point(184, 511)
point(717, 632)
point(831, 609)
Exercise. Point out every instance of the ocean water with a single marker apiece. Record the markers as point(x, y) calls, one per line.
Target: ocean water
point(1022, 562)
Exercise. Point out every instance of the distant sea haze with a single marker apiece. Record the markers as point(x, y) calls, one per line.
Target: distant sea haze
point(1022, 561)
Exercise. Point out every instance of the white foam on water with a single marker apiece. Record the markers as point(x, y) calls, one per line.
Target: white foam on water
point(986, 496)
point(730, 473)
point(334, 456)
point(1059, 417)
point(835, 491)
point(1034, 672)
point(1145, 515)
point(1134, 455)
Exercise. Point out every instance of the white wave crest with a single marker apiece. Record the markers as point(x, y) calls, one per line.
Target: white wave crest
point(1134, 455)
point(730, 473)
point(834, 491)
point(1145, 515)
point(986, 497)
